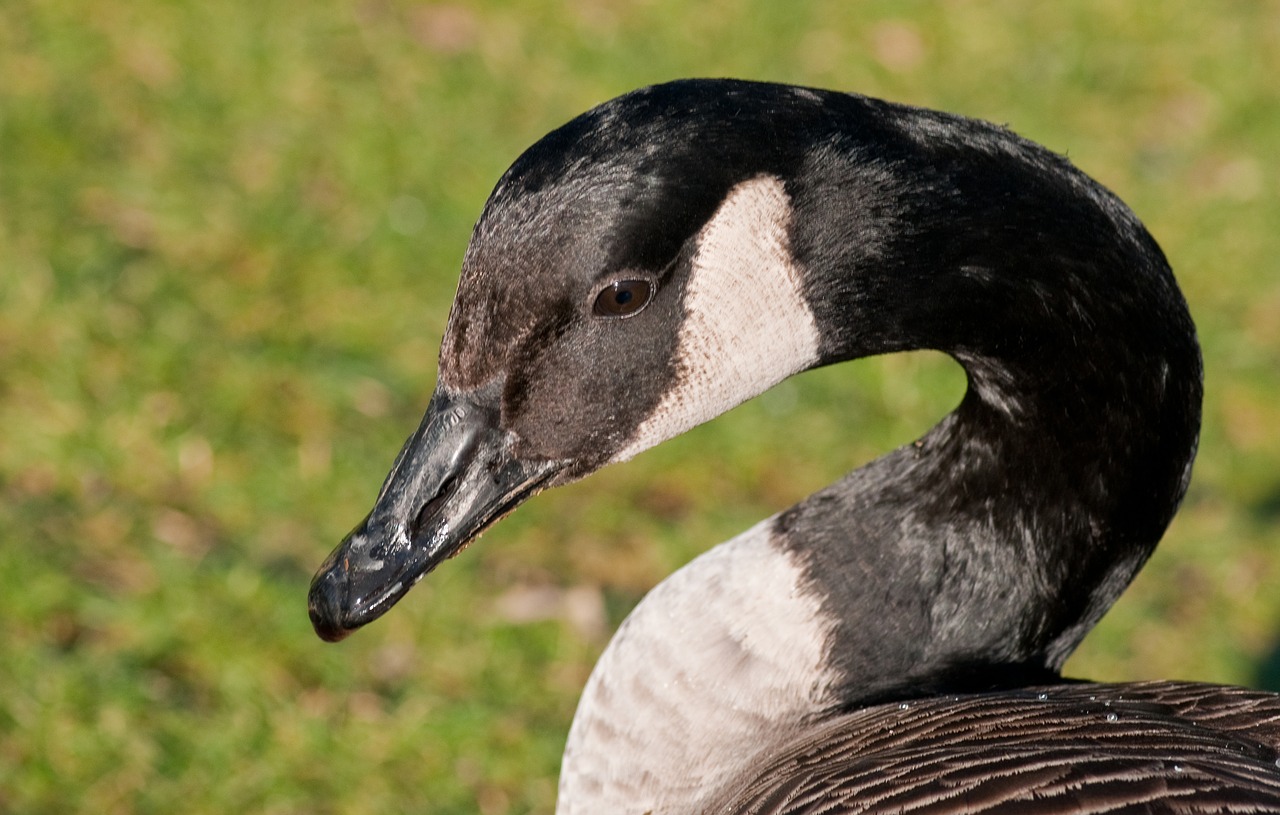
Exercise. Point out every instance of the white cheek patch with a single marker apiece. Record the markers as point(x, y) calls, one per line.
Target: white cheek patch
point(747, 326)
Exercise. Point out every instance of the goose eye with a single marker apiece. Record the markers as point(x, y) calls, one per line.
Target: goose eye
point(623, 298)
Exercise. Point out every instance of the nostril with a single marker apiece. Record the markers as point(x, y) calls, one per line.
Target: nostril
point(432, 507)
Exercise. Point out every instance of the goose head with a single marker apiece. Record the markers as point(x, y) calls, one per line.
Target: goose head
point(617, 291)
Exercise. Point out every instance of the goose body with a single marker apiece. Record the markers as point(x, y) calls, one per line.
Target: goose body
point(894, 641)
point(1169, 747)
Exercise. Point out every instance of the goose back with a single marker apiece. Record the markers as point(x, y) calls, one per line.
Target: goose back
point(1148, 747)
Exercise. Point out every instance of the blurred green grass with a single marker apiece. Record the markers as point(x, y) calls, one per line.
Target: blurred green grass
point(229, 235)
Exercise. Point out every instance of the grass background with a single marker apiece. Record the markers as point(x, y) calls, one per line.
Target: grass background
point(229, 236)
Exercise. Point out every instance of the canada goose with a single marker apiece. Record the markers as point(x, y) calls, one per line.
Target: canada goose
point(894, 641)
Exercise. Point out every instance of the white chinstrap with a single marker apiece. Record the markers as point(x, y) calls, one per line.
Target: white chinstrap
point(747, 326)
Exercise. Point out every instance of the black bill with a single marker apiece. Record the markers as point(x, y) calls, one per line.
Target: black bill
point(455, 476)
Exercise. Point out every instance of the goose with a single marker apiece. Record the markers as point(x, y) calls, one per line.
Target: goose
point(894, 642)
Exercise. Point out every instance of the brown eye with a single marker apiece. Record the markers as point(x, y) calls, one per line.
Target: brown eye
point(623, 298)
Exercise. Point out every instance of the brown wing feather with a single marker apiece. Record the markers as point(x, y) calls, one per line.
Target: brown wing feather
point(1158, 747)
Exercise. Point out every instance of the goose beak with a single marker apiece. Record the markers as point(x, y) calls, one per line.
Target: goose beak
point(456, 476)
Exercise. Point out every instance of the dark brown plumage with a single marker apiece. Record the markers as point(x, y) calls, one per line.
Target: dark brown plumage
point(1157, 747)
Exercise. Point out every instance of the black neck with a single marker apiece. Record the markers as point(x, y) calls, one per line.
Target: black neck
point(1001, 537)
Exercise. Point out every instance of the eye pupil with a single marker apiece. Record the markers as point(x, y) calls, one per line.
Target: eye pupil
point(623, 298)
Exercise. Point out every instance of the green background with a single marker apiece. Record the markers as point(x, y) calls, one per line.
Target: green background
point(229, 235)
